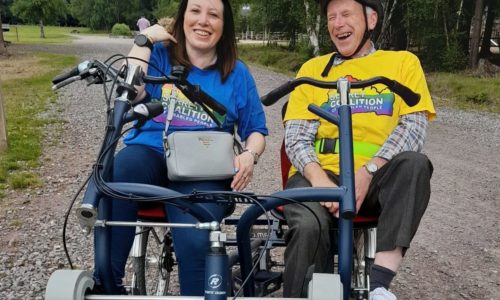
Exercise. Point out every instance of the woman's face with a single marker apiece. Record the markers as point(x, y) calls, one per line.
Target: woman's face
point(203, 24)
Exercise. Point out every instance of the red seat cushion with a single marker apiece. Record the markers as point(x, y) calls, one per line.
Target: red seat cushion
point(156, 211)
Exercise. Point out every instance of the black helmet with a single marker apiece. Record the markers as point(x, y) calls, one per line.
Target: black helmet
point(374, 4)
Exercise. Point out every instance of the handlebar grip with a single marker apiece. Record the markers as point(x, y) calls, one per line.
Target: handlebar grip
point(409, 97)
point(64, 76)
point(66, 82)
point(276, 94)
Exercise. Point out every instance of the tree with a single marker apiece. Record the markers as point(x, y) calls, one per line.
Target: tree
point(167, 8)
point(39, 11)
point(3, 47)
point(313, 24)
point(492, 6)
point(475, 33)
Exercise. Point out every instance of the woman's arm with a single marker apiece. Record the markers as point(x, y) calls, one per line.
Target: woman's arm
point(155, 33)
point(244, 163)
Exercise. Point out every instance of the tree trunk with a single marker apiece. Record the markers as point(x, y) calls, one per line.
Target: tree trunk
point(459, 14)
point(445, 29)
point(313, 27)
point(3, 126)
point(475, 34)
point(42, 32)
point(384, 38)
point(3, 47)
point(488, 30)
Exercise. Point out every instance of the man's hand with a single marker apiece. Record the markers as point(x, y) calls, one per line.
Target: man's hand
point(362, 181)
point(318, 178)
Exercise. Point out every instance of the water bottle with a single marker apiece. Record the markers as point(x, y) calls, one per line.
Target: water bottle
point(216, 268)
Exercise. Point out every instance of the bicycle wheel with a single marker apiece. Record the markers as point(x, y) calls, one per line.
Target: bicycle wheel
point(152, 269)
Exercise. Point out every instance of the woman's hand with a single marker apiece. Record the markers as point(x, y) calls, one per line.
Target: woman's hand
point(158, 33)
point(244, 163)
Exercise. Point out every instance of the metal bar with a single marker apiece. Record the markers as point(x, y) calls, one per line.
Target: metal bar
point(122, 297)
point(207, 226)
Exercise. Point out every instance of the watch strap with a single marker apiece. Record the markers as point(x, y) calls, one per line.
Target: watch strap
point(148, 43)
point(254, 154)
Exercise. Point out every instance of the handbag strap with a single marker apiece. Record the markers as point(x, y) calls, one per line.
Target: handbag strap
point(170, 116)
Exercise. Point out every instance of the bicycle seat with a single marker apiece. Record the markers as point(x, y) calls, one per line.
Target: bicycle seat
point(152, 212)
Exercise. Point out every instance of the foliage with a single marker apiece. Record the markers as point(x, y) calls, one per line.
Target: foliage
point(121, 29)
point(46, 11)
point(166, 8)
point(437, 30)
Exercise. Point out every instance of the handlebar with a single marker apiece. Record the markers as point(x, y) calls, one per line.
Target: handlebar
point(97, 72)
point(410, 98)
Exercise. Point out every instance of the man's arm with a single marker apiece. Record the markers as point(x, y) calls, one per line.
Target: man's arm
point(409, 135)
point(299, 145)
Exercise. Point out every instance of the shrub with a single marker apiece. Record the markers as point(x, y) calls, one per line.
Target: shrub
point(121, 29)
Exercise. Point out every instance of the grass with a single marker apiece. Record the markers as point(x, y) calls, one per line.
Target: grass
point(276, 58)
point(25, 99)
point(30, 34)
point(465, 91)
point(457, 90)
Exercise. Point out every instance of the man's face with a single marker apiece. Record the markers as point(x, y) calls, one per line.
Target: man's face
point(346, 25)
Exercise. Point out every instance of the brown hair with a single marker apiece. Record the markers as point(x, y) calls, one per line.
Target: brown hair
point(225, 48)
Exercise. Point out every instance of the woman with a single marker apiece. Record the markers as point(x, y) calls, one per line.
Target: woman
point(203, 40)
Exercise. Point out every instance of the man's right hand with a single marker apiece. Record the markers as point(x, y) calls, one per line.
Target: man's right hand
point(318, 178)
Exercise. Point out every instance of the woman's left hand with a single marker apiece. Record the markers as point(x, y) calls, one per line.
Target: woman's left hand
point(244, 163)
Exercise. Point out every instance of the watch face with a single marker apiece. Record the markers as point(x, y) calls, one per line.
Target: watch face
point(141, 40)
point(372, 168)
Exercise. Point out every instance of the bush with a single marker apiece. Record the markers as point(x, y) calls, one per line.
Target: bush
point(453, 58)
point(121, 29)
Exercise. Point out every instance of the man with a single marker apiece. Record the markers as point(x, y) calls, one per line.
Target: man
point(393, 181)
point(143, 23)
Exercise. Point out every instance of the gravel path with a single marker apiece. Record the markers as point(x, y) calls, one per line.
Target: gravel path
point(455, 254)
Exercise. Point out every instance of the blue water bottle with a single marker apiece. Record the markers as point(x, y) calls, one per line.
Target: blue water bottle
point(216, 268)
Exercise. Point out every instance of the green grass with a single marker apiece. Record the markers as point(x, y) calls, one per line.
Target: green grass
point(276, 58)
point(457, 90)
point(464, 91)
point(30, 34)
point(24, 102)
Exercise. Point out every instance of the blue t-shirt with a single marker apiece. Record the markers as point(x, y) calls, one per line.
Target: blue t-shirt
point(238, 94)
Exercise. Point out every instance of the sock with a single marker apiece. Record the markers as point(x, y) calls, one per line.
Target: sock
point(380, 277)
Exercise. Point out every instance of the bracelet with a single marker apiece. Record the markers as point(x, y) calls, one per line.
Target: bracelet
point(254, 154)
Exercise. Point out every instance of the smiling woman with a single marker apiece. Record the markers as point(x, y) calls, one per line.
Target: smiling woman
point(202, 40)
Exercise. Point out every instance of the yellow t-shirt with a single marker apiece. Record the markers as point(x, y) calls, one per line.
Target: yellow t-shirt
point(375, 109)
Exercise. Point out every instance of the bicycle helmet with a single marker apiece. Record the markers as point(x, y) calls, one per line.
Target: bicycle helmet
point(374, 4)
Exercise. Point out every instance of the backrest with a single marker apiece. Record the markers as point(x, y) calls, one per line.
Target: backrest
point(285, 162)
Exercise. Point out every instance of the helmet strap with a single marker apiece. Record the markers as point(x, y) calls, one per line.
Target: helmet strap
point(365, 38)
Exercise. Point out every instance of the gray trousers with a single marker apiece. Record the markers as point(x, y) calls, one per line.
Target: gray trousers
point(399, 193)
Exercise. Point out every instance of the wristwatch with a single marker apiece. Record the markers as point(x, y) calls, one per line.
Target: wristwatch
point(254, 154)
point(143, 40)
point(371, 168)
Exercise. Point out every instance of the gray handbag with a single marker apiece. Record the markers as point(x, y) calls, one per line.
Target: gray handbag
point(199, 155)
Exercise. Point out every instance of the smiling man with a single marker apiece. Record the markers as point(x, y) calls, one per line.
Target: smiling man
point(392, 177)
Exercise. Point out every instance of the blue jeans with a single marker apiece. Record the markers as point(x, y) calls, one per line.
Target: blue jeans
point(141, 164)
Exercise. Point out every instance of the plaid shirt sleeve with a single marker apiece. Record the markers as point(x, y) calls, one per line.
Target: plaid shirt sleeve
point(409, 135)
point(299, 142)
